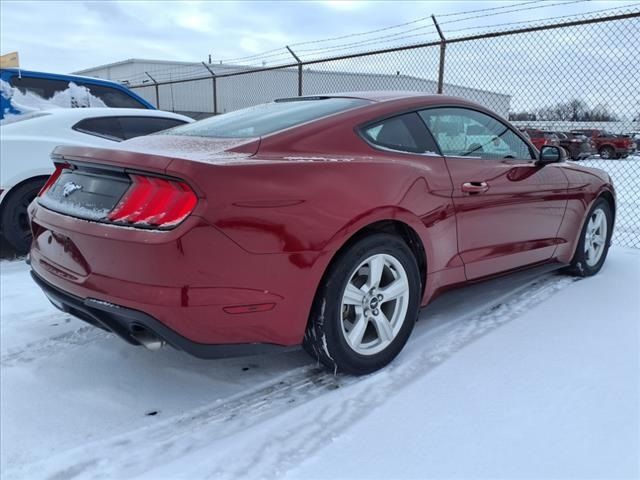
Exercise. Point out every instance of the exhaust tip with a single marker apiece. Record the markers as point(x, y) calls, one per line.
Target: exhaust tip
point(147, 339)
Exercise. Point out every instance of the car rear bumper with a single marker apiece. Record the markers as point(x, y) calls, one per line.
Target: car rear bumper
point(193, 281)
point(132, 325)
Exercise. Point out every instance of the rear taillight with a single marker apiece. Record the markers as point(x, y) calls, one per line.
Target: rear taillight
point(53, 178)
point(153, 201)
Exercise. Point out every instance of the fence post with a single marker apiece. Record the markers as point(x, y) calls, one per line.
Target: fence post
point(299, 70)
point(215, 89)
point(443, 46)
point(155, 84)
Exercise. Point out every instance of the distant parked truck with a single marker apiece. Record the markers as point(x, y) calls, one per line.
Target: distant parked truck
point(607, 144)
point(24, 91)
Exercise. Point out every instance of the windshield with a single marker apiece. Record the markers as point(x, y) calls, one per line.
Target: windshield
point(267, 118)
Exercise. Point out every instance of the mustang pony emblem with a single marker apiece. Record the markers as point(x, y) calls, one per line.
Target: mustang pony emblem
point(69, 188)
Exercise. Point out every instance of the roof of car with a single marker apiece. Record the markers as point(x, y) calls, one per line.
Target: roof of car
point(34, 73)
point(381, 95)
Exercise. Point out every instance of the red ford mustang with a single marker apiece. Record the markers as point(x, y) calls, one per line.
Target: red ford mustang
point(322, 221)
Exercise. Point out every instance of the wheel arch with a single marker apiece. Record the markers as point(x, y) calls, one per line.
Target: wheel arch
point(608, 196)
point(611, 200)
point(393, 226)
point(605, 194)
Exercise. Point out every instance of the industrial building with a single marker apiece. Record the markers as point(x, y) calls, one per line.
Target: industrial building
point(196, 97)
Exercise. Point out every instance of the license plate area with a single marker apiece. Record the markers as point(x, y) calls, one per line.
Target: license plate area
point(86, 193)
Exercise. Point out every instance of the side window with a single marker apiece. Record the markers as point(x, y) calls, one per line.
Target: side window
point(77, 97)
point(462, 132)
point(406, 133)
point(106, 127)
point(43, 87)
point(112, 97)
point(137, 126)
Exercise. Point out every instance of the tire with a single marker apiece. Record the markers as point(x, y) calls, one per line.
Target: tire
point(581, 264)
point(567, 153)
point(15, 220)
point(347, 330)
point(607, 153)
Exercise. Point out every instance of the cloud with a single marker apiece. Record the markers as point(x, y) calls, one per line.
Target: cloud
point(345, 4)
point(67, 36)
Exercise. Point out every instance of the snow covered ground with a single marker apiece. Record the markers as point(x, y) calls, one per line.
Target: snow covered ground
point(524, 376)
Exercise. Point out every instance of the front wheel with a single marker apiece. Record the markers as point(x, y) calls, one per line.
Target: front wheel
point(366, 306)
point(595, 237)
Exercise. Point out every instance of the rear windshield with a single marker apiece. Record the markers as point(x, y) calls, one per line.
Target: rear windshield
point(267, 118)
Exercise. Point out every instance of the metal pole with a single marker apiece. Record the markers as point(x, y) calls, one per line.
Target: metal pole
point(214, 87)
point(443, 47)
point(299, 70)
point(215, 96)
point(157, 89)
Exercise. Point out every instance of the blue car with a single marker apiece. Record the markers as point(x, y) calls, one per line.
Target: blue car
point(33, 90)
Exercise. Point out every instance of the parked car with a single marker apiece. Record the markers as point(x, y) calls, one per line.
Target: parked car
point(324, 221)
point(577, 146)
point(609, 145)
point(635, 136)
point(40, 90)
point(540, 138)
point(27, 145)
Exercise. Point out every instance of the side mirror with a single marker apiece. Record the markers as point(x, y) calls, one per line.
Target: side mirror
point(551, 154)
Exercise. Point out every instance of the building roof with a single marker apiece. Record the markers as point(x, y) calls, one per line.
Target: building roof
point(232, 68)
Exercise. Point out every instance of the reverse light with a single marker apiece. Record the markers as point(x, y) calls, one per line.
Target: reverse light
point(154, 201)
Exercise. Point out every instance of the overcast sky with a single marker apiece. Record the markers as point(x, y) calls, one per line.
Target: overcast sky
point(69, 36)
point(594, 63)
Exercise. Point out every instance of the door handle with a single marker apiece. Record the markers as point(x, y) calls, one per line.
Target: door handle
point(475, 187)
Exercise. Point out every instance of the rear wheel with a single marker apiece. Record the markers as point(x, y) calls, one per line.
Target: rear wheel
point(568, 154)
point(15, 220)
point(607, 153)
point(593, 245)
point(366, 307)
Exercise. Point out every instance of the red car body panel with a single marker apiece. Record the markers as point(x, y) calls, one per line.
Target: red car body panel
point(273, 212)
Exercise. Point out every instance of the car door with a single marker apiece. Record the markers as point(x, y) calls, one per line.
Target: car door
point(508, 209)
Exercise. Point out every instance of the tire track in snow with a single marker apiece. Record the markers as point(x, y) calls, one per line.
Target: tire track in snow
point(294, 442)
point(139, 452)
point(134, 453)
point(47, 347)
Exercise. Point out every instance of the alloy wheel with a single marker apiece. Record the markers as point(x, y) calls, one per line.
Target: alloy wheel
point(374, 304)
point(595, 237)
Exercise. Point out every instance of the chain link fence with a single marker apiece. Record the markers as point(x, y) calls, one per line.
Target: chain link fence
point(573, 83)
